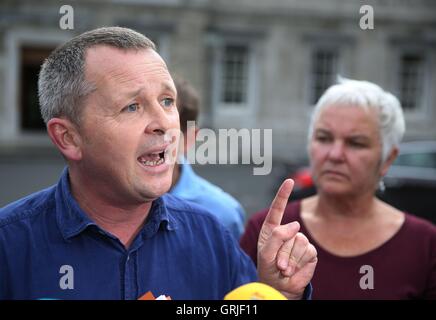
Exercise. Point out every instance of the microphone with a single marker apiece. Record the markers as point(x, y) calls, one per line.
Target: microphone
point(255, 291)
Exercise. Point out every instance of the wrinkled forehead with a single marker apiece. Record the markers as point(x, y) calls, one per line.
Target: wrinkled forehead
point(348, 119)
point(103, 61)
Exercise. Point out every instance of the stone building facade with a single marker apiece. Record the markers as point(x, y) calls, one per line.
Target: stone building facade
point(257, 64)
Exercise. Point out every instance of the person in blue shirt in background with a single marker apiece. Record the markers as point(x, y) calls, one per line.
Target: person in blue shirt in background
point(186, 183)
point(108, 229)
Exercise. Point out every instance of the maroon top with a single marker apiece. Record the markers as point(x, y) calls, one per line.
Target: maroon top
point(404, 267)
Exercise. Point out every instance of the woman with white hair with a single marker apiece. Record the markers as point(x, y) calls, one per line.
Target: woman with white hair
point(366, 248)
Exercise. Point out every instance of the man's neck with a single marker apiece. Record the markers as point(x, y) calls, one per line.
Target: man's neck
point(123, 221)
point(176, 174)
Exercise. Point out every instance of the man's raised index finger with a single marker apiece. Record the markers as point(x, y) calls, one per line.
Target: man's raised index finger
point(275, 213)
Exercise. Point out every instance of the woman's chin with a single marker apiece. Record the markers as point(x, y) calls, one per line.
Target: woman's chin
point(335, 189)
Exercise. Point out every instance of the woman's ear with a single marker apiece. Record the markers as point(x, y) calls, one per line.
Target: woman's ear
point(388, 162)
point(66, 137)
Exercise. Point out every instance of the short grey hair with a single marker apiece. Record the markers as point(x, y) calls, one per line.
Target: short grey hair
point(62, 85)
point(364, 94)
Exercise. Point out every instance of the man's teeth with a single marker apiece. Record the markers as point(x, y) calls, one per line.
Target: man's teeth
point(153, 159)
point(152, 162)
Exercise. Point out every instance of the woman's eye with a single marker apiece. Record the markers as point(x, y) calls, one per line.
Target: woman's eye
point(356, 144)
point(167, 102)
point(131, 107)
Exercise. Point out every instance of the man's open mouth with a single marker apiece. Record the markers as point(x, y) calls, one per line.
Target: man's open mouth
point(152, 159)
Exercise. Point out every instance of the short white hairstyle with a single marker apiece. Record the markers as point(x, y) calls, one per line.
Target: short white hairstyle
point(364, 94)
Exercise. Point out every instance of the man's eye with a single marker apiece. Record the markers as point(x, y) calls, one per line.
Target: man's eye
point(322, 139)
point(131, 107)
point(168, 102)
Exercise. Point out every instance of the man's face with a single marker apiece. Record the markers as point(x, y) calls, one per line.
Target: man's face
point(125, 124)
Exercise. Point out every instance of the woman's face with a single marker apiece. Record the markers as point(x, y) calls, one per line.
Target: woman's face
point(345, 151)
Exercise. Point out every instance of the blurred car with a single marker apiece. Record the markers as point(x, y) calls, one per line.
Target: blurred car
point(410, 184)
point(411, 180)
point(303, 184)
point(300, 173)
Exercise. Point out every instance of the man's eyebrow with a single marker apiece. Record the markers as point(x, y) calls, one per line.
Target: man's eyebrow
point(166, 86)
point(321, 130)
point(132, 93)
point(128, 94)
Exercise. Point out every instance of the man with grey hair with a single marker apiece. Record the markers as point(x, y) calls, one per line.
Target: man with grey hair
point(108, 230)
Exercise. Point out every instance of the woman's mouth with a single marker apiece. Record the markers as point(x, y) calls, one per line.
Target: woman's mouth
point(334, 173)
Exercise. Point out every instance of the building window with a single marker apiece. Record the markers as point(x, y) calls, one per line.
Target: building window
point(411, 80)
point(31, 61)
point(235, 61)
point(233, 78)
point(323, 72)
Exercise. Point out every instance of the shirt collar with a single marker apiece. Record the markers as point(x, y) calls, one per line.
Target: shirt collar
point(159, 216)
point(72, 220)
point(70, 217)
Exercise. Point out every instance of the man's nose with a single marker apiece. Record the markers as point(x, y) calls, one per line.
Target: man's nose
point(159, 120)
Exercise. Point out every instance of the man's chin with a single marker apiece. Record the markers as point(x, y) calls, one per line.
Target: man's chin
point(150, 193)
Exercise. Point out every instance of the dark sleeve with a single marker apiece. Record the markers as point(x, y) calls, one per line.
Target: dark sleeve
point(242, 268)
point(307, 294)
point(3, 272)
point(248, 241)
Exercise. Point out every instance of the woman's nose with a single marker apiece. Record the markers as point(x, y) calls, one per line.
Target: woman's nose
point(336, 152)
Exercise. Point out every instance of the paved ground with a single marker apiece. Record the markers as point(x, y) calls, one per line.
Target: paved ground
point(22, 175)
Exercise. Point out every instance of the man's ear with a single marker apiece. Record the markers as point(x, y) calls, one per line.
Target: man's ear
point(391, 158)
point(65, 136)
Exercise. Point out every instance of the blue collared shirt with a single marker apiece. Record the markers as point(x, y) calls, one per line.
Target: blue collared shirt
point(222, 205)
point(51, 249)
